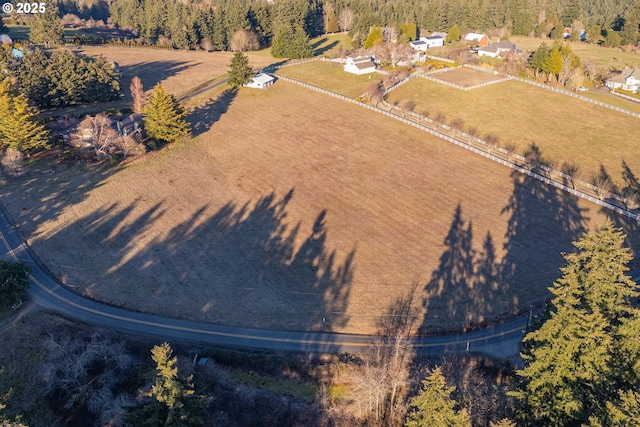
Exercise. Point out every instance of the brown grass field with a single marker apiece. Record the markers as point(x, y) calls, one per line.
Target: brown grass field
point(604, 56)
point(294, 210)
point(466, 76)
point(181, 72)
point(564, 128)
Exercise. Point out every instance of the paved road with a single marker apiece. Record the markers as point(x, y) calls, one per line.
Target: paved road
point(500, 341)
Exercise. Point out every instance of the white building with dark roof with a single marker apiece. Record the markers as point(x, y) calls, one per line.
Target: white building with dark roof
point(495, 50)
point(628, 79)
point(359, 64)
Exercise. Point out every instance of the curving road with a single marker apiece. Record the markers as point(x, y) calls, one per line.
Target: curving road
point(500, 341)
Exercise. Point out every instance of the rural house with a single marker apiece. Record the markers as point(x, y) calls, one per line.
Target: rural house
point(477, 39)
point(503, 47)
point(629, 80)
point(362, 64)
point(261, 81)
point(424, 43)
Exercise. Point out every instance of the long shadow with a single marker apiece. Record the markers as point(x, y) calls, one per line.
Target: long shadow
point(321, 50)
point(150, 73)
point(472, 287)
point(244, 265)
point(543, 223)
point(466, 285)
point(202, 118)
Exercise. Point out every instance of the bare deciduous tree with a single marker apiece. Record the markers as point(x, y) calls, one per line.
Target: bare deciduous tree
point(12, 162)
point(373, 92)
point(138, 95)
point(345, 19)
point(244, 40)
point(206, 44)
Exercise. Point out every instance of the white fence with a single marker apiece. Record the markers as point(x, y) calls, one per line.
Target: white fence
point(415, 121)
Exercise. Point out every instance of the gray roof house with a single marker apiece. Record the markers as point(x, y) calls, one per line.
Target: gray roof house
point(628, 79)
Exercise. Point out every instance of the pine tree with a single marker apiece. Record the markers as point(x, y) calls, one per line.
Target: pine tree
point(240, 71)
point(173, 402)
point(454, 34)
point(20, 127)
point(45, 28)
point(300, 47)
point(280, 42)
point(433, 406)
point(164, 118)
point(13, 282)
point(374, 38)
point(586, 349)
point(34, 81)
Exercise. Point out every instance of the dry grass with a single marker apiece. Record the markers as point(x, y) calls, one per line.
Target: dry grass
point(605, 57)
point(466, 76)
point(297, 211)
point(564, 128)
point(179, 71)
point(330, 76)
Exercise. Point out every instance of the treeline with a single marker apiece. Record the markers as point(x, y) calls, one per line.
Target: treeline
point(213, 25)
point(61, 78)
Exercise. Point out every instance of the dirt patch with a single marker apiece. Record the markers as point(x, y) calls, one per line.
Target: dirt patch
point(295, 210)
point(467, 77)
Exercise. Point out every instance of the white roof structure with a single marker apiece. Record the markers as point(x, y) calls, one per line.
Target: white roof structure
point(474, 36)
point(261, 81)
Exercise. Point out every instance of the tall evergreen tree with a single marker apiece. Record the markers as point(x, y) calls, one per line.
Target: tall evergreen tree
point(34, 80)
point(433, 406)
point(20, 127)
point(586, 349)
point(46, 28)
point(164, 117)
point(173, 402)
point(240, 71)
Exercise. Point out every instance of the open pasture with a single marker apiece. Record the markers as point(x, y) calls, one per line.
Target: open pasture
point(612, 58)
point(179, 71)
point(294, 210)
point(565, 129)
point(467, 77)
point(330, 76)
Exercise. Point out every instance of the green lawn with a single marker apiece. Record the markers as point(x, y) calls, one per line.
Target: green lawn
point(565, 128)
point(330, 76)
point(329, 44)
point(603, 56)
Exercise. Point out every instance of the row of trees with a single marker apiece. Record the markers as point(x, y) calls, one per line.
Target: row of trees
point(61, 78)
point(189, 26)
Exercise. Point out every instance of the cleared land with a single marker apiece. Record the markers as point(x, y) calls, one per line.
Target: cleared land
point(330, 76)
point(467, 76)
point(295, 210)
point(181, 72)
point(564, 128)
point(603, 56)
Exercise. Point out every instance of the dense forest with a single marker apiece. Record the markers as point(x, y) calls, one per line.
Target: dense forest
point(213, 24)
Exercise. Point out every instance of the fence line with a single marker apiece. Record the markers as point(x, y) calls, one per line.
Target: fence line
point(621, 95)
point(416, 122)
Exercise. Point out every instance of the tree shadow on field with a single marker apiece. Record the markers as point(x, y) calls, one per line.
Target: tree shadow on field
point(244, 265)
point(472, 286)
point(150, 73)
point(203, 118)
point(321, 50)
point(543, 223)
point(465, 289)
point(48, 188)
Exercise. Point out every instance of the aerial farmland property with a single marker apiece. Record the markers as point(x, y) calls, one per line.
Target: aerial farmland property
point(435, 197)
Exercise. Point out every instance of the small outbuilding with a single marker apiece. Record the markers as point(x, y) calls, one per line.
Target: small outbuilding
point(477, 39)
point(425, 43)
point(261, 81)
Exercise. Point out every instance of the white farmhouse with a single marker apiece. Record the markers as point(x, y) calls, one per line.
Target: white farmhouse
point(261, 81)
point(495, 50)
point(629, 80)
point(424, 43)
point(359, 64)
